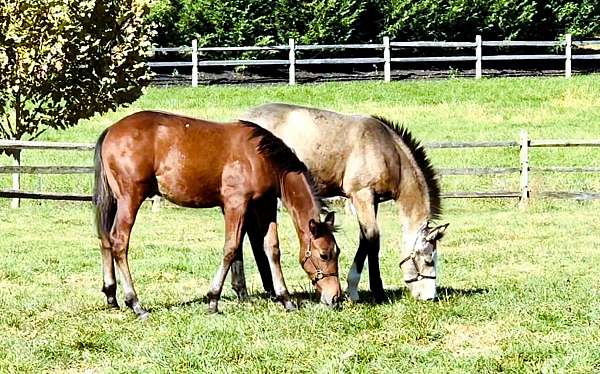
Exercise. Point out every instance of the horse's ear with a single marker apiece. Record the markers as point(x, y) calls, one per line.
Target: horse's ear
point(436, 233)
point(330, 219)
point(312, 226)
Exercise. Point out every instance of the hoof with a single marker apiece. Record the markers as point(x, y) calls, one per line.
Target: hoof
point(379, 298)
point(213, 307)
point(242, 294)
point(140, 312)
point(289, 306)
point(336, 303)
point(271, 295)
point(353, 296)
point(112, 304)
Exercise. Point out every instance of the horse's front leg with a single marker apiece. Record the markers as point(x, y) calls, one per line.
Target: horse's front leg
point(234, 211)
point(238, 276)
point(366, 211)
point(265, 213)
point(271, 245)
point(257, 234)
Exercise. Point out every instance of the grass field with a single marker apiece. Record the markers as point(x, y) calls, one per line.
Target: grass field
point(519, 289)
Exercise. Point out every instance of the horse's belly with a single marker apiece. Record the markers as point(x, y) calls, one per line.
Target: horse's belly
point(195, 194)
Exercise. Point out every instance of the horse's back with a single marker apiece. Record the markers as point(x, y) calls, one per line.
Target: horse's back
point(184, 159)
point(343, 152)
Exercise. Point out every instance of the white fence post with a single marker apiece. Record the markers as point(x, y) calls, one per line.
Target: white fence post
point(387, 74)
point(292, 57)
point(568, 56)
point(16, 179)
point(524, 156)
point(195, 63)
point(478, 56)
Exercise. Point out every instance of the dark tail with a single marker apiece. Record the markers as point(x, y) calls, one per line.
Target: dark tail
point(104, 200)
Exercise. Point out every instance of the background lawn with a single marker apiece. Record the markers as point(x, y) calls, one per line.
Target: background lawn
point(519, 289)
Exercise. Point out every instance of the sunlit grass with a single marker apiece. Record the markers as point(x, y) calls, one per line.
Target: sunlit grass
point(519, 292)
point(519, 288)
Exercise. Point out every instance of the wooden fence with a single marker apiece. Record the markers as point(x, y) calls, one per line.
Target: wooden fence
point(523, 194)
point(386, 58)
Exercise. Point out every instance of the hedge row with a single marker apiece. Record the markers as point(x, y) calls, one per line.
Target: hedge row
point(259, 22)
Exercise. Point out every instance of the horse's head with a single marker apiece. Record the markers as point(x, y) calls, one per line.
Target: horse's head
point(320, 260)
point(420, 265)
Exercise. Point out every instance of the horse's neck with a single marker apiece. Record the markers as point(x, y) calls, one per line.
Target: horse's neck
point(298, 198)
point(414, 205)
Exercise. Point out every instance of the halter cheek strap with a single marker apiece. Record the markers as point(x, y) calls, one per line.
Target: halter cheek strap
point(319, 273)
point(411, 257)
point(419, 275)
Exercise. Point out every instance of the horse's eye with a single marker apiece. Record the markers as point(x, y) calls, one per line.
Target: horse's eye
point(324, 256)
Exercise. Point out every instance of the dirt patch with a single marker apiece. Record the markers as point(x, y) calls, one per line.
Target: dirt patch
point(469, 340)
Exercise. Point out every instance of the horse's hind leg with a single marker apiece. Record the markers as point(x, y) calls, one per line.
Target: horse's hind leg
point(234, 211)
point(109, 286)
point(127, 208)
point(366, 211)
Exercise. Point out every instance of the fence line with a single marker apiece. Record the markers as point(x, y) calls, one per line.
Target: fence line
point(524, 169)
point(387, 46)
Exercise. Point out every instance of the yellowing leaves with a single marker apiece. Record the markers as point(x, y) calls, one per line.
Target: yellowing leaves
point(64, 60)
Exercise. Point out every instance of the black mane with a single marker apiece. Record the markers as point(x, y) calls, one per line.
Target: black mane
point(284, 159)
point(418, 153)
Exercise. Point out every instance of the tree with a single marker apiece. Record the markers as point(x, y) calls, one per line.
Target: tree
point(65, 60)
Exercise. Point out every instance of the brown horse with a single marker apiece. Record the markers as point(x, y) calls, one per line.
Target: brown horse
point(369, 160)
point(239, 167)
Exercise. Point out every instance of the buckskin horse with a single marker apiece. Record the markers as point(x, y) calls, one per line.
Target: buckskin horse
point(239, 167)
point(369, 160)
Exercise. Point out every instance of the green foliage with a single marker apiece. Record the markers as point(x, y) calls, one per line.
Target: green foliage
point(431, 20)
point(497, 19)
point(256, 22)
point(64, 60)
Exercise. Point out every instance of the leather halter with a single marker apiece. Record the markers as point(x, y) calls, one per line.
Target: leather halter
point(319, 273)
point(411, 257)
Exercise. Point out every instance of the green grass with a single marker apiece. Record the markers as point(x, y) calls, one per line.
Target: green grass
point(519, 288)
point(519, 293)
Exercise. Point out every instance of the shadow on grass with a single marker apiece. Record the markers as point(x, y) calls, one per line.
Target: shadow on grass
point(307, 297)
point(177, 304)
point(203, 300)
point(449, 293)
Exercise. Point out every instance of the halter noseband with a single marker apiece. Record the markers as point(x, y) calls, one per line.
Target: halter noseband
point(411, 257)
point(319, 273)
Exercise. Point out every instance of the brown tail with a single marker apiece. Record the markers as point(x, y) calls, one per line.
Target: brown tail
point(104, 200)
